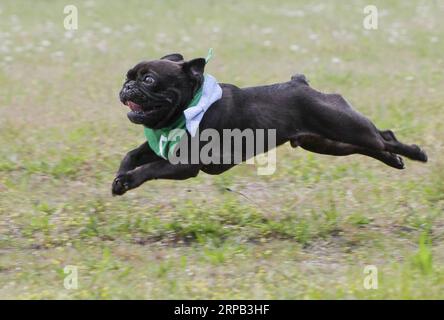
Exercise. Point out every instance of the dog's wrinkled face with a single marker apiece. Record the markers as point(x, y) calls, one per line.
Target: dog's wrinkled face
point(158, 91)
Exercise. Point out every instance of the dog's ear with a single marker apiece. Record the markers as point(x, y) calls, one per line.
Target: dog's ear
point(176, 57)
point(195, 68)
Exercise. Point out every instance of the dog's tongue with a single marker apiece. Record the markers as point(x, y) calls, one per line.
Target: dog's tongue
point(134, 106)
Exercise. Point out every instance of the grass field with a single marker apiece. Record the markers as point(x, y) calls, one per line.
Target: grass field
point(307, 231)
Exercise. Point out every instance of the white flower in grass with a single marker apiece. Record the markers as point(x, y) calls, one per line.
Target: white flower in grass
point(89, 4)
point(267, 43)
point(45, 43)
point(8, 58)
point(409, 78)
point(129, 28)
point(140, 44)
point(318, 8)
point(335, 60)
point(106, 30)
point(294, 47)
point(267, 30)
point(186, 39)
point(57, 54)
point(313, 36)
point(292, 14)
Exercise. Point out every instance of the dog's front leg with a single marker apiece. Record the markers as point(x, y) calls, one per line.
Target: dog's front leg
point(137, 157)
point(133, 159)
point(162, 169)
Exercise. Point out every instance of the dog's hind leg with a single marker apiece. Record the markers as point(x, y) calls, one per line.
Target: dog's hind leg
point(332, 117)
point(392, 144)
point(318, 144)
point(339, 122)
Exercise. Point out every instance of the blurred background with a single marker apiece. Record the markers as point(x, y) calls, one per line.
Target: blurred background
point(307, 231)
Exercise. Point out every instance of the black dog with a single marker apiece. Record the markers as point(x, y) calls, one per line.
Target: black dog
point(158, 91)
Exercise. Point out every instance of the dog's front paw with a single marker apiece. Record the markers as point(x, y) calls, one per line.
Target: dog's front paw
point(121, 184)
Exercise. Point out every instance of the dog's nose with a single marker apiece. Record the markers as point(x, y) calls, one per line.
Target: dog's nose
point(127, 87)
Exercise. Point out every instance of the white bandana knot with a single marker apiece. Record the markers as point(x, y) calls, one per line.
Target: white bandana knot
point(211, 92)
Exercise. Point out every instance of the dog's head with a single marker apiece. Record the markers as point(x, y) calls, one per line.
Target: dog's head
point(158, 91)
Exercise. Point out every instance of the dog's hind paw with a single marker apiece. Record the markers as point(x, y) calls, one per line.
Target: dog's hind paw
point(421, 155)
point(399, 163)
point(394, 161)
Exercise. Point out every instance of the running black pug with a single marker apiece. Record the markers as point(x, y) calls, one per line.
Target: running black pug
point(158, 91)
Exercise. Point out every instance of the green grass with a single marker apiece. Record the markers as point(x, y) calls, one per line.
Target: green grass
point(306, 231)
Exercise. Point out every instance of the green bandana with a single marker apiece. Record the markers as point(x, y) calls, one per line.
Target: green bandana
point(164, 140)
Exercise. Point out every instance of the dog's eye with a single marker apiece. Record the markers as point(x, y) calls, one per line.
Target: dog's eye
point(149, 80)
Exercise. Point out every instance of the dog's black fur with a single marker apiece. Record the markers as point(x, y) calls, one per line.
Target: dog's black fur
point(158, 91)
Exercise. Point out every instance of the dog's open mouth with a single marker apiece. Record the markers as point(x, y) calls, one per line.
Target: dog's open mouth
point(134, 106)
point(138, 109)
point(144, 114)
